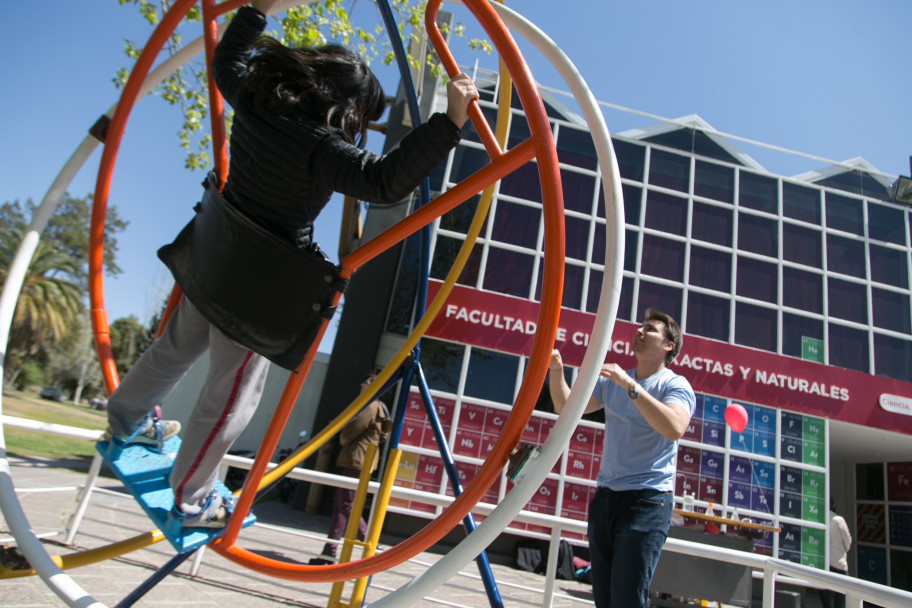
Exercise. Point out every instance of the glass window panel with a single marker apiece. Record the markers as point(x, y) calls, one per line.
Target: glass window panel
point(758, 235)
point(523, 183)
point(595, 290)
point(891, 310)
point(443, 375)
point(801, 203)
point(801, 245)
point(710, 268)
point(595, 286)
point(856, 182)
point(467, 161)
point(757, 280)
point(889, 266)
point(625, 304)
point(844, 213)
point(795, 327)
point(631, 158)
point(508, 272)
point(577, 237)
point(666, 213)
point(519, 127)
point(598, 244)
point(847, 300)
point(708, 316)
point(516, 224)
point(469, 133)
point(631, 239)
point(755, 326)
point(661, 297)
point(445, 252)
point(662, 258)
point(669, 170)
point(573, 287)
point(846, 256)
point(579, 191)
point(712, 224)
point(572, 294)
point(575, 147)
point(491, 375)
point(802, 290)
point(848, 347)
point(714, 181)
point(758, 192)
point(886, 224)
point(400, 309)
point(893, 358)
point(460, 218)
point(632, 203)
point(869, 481)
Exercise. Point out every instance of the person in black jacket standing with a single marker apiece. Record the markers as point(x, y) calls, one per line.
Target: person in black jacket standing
point(301, 117)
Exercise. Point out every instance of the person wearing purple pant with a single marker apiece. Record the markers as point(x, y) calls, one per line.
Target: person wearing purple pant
point(369, 427)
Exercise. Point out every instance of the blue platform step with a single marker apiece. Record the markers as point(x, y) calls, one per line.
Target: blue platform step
point(144, 472)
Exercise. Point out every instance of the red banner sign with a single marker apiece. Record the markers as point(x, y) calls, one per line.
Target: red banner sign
point(508, 324)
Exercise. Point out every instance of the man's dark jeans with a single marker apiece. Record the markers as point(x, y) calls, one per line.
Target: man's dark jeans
point(626, 533)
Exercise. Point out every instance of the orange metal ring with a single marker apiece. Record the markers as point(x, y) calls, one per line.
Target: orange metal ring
point(539, 145)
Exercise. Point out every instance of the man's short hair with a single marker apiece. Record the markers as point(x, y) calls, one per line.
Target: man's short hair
point(672, 332)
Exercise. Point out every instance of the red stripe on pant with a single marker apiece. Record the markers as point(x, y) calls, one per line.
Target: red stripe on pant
point(232, 398)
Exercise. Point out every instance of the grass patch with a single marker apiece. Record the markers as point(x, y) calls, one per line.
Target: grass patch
point(32, 443)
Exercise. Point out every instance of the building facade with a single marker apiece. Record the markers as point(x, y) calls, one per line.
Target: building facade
point(793, 294)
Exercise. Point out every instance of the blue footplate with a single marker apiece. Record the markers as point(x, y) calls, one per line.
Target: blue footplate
point(144, 472)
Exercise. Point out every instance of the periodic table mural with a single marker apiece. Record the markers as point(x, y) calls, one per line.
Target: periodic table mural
point(773, 471)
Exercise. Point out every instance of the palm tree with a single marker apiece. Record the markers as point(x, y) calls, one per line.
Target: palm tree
point(48, 303)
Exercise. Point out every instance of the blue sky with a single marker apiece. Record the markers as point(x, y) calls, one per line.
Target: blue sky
point(823, 77)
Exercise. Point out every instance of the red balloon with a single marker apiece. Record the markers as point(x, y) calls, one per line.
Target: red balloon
point(736, 417)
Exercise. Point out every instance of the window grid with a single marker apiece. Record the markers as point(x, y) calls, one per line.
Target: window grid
point(811, 202)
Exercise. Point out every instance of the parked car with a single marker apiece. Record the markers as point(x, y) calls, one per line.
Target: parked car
point(98, 403)
point(51, 392)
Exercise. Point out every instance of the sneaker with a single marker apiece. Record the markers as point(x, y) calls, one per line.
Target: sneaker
point(323, 560)
point(156, 432)
point(213, 514)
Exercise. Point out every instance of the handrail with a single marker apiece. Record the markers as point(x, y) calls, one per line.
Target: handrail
point(737, 523)
point(856, 590)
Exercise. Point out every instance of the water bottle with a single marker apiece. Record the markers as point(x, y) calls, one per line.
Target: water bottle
point(688, 502)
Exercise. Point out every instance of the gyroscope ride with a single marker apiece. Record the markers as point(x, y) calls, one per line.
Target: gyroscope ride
point(137, 463)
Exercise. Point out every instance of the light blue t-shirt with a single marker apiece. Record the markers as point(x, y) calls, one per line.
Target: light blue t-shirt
point(634, 455)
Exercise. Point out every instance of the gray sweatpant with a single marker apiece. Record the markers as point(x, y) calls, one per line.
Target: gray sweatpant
point(225, 404)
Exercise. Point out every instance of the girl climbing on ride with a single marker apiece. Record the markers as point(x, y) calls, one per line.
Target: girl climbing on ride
point(300, 121)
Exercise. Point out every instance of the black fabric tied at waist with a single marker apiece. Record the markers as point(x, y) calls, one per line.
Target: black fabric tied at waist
point(647, 491)
point(258, 289)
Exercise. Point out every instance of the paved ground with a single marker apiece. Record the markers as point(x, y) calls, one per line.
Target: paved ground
point(281, 531)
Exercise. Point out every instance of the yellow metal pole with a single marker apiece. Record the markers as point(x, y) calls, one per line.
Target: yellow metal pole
point(381, 501)
point(354, 518)
point(92, 556)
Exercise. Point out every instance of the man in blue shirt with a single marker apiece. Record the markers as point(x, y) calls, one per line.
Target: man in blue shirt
point(647, 409)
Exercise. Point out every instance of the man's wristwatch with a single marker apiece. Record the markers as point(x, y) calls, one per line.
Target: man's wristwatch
point(634, 392)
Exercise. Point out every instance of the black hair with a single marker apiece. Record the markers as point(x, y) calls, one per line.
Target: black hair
point(672, 332)
point(329, 82)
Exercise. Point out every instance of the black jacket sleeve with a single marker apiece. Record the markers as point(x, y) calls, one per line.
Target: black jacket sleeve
point(389, 178)
point(229, 61)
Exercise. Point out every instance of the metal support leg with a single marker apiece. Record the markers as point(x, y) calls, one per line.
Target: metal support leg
point(85, 494)
point(153, 580)
point(484, 566)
